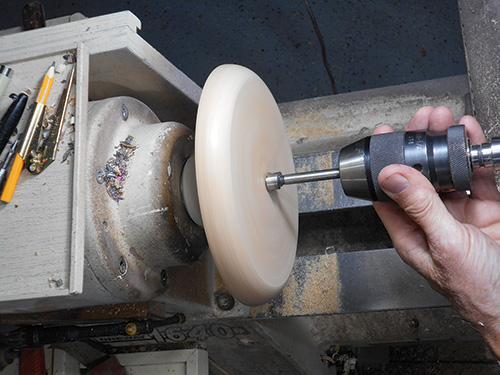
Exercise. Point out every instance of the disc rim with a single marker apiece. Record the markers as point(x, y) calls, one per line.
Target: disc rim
point(217, 121)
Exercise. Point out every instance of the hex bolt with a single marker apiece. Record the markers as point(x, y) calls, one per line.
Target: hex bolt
point(164, 277)
point(124, 112)
point(225, 301)
point(123, 266)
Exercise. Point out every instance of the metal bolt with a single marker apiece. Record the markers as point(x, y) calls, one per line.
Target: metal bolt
point(131, 329)
point(225, 301)
point(414, 326)
point(124, 112)
point(99, 175)
point(123, 266)
point(164, 277)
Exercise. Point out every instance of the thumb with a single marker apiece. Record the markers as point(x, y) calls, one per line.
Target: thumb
point(417, 197)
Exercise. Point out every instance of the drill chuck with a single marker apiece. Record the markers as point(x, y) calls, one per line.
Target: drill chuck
point(444, 158)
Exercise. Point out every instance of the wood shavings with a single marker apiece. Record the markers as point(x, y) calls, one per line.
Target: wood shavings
point(54, 280)
point(69, 152)
point(60, 68)
point(70, 57)
point(69, 127)
point(115, 172)
point(51, 111)
point(47, 124)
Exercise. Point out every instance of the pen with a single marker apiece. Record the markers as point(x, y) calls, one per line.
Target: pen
point(11, 118)
point(22, 155)
point(5, 74)
point(3, 169)
point(39, 109)
point(62, 114)
point(44, 153)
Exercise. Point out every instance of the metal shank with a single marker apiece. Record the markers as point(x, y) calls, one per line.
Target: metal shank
point(275, 181)
point(486, 155)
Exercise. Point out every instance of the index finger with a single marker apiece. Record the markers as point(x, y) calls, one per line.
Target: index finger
point(382, 129)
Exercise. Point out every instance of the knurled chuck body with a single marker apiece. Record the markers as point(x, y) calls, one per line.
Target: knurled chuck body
point(444, 158)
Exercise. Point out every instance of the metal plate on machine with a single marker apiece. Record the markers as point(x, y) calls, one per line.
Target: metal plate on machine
point(41, 237)
point(353, 282)
point(379, 280)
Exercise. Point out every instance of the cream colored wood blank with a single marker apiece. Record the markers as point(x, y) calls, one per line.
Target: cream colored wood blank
point(240, 137)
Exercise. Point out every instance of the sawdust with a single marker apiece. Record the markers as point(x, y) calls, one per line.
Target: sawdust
point(322, 191)
point(313, 288)
point(312, 125)
point(312, 131)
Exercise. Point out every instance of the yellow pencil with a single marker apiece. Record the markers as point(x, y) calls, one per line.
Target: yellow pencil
point(21, 156)
point(48, 80)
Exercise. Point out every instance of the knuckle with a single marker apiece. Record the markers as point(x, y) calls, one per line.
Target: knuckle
point(419, 207)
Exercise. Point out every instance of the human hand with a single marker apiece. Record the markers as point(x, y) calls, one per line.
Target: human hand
point(449, 238)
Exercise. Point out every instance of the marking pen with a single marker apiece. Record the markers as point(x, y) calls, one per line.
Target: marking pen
point(22, 155)
point(5, 74)
point(11, 118)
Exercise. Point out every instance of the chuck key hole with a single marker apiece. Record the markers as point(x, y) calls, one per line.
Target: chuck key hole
point(418, 167)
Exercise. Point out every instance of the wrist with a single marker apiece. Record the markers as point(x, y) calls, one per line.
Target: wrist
point(485, 317)
point(488, 326)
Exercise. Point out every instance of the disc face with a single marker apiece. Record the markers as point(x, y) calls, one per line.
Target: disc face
point(240, 137)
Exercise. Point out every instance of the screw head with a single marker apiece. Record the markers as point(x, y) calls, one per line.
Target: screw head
point(124, 112)
point(225, 301)
point(131, 329)
point(414, 324)
point(164, 277)
point(99, 175)
point(122, 267)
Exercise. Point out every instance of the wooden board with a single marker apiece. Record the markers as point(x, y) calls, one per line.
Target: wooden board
point(41, 240)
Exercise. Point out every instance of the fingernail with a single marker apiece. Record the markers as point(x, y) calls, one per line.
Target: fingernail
point(395, 184)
